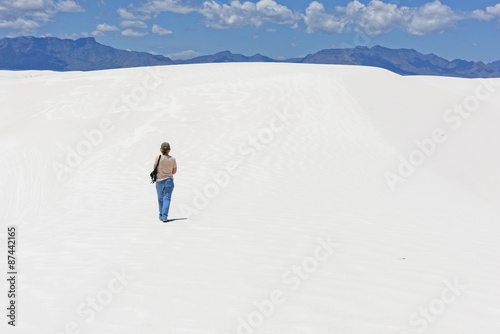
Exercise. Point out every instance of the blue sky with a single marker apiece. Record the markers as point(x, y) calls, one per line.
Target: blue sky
point(281, 29)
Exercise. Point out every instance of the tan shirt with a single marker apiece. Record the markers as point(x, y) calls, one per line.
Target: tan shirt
point(167, 164)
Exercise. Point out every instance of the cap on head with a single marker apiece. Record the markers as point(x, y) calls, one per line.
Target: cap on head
point(165, 145)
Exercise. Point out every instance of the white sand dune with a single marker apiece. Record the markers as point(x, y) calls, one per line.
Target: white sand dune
point(292, 226)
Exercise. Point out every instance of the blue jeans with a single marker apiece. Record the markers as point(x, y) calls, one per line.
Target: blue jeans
point(164, 190)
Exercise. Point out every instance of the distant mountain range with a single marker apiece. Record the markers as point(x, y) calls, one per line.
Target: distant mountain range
point(86, 54)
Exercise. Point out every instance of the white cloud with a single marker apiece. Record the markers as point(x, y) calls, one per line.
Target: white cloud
point(42, 16)
point(155, 7)
point(97, 33)
point(106, 27)
point(133, 24)
point(133, 33)
point(20, 24)
point(150, 9)
point(160, 30)
point(28, 5)
point(69, 6)
point(374, 17)
point(188, 54)
point(237, 14)
point(26, 15)
point(494, 10)
point(276, 13)
point(432, 18)
point(480, 14)
point(317, 18)
point(127, 14)
point(378, 17)
point(488, 14)
point(101, 28)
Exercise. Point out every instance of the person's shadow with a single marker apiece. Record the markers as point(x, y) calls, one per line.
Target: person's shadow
point(174, 219)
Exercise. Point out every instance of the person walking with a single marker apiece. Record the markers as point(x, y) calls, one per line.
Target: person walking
point(167, 167)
